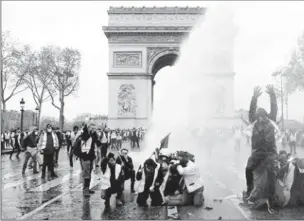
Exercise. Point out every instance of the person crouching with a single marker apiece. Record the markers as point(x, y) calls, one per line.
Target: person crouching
point(192, 181)
point(85, 151)
point(127, 164)
point(147, 177)
point(112, 180)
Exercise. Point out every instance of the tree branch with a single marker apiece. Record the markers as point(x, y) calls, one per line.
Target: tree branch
point(12, 94)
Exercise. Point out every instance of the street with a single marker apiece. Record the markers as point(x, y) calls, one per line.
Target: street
point(61, 198)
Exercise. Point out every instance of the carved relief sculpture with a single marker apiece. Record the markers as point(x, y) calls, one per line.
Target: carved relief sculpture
point(127, 59)
point(127, 101)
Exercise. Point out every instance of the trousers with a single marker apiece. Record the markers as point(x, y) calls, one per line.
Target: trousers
point(156, 198)
point(30, 153)
point(255, 161)
point(48, 162)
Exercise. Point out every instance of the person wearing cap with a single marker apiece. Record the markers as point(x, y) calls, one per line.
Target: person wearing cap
point(85, 151)
point(30, 143)
point(112, 180)
point(127, 165)
point(263, 144)
point(147, 177)
point(48, 143)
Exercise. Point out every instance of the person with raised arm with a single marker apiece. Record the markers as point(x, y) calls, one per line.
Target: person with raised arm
point(263, 143)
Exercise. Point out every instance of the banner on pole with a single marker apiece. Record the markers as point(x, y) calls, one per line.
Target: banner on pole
point(164, 142)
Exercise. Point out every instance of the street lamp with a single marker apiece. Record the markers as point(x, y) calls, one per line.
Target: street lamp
point(22, 104)
point(37, 109)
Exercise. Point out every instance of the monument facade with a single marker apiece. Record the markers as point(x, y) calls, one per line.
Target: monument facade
point(141, 42)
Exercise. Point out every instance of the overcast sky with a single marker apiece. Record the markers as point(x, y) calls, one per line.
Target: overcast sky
point(267, 33)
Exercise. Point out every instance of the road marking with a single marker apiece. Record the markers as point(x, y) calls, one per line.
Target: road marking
point(9, 175)
point(45, 204)
point(50, 184)
point(21, 180)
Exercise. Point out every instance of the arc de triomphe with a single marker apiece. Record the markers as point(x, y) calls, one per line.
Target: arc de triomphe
point(141, 42)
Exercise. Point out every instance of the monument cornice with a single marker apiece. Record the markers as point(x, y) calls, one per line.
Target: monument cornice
point(128, 74)
point(146, 29)
point(146, 37)
point(156, 10)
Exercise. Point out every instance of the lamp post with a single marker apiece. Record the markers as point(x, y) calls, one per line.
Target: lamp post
point(22, 104)
point(37, 109)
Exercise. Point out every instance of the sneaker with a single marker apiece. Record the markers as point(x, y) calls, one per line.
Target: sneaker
point(118, 202)
point(132, 191)
point(91, 191)
point(35, 172)
point(54, 175)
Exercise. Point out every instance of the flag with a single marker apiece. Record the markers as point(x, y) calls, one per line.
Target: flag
point(164, 142)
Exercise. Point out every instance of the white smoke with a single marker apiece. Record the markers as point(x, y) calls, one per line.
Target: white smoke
point(189, 101)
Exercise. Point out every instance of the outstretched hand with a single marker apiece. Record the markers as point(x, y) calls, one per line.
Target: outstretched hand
point(257, 92)
point(270, 89)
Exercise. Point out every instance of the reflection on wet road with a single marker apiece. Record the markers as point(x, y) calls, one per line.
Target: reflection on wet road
point(30, 197)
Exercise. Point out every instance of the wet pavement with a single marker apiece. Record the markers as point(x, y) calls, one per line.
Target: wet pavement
point(31, 197)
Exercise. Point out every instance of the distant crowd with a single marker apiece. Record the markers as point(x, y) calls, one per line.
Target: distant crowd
point(12, 139)
point(286, 139)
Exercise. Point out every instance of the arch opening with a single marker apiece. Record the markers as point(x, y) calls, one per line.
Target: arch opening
point(162, 64)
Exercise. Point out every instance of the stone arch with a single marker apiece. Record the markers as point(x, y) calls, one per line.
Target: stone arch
point(141, 41)
point(168, 56)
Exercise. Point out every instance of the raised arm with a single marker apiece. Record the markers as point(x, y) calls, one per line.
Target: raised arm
point(273, 103)
point(253, 104)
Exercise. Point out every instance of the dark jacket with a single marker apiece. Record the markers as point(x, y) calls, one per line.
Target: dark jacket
point(60, 138)
point(31, 140)
point(68, 140)
point(134, 135)
point(128, 165)
point(263, 134)
point(85, 156)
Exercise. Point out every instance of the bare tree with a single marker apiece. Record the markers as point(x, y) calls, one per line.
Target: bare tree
point(285, 85)
point(37, 79)
point(64, 68)
point(15, 62)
